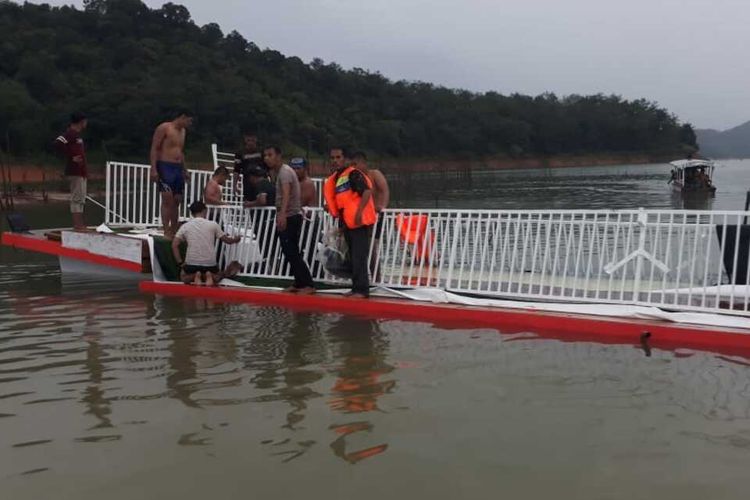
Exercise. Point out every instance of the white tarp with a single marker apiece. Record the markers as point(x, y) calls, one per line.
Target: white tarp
point(613, 310)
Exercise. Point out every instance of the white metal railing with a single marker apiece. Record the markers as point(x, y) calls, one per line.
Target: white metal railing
point(681, 260)
point(132, 199)
point(222, 158)
point(259, 251)
point(676, 259)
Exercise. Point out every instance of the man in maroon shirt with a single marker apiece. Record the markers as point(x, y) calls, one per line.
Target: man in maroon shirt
point(70, 145)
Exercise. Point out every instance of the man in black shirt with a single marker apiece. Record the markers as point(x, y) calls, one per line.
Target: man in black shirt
point(248, 158)
point(256, 179)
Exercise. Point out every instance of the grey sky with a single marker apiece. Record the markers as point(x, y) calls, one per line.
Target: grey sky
point(690, 56)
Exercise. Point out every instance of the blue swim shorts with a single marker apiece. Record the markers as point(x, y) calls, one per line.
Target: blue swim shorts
point(171, 179)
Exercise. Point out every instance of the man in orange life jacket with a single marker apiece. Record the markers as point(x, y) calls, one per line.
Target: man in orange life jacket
point(348, 194)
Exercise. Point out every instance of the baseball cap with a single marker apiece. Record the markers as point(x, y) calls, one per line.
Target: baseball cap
point(297, 163)
point(256, 171)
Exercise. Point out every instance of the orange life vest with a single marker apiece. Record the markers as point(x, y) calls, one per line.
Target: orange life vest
point(413, 231)
point(343, 202)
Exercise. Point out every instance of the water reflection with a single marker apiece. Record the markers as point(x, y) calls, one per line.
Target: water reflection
point(361, 380)
point(94, 396)
point(692, 201)
point(302, 351)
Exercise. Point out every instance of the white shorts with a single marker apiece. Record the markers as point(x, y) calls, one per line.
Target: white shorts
point(77, 193)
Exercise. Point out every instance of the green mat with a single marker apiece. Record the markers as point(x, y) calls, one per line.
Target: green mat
point(163, 252)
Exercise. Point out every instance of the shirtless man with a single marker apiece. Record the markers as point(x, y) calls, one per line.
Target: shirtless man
point(308, 193)
point(381, 196)
point(168, 168)
point(380, 193)
point(212, 192)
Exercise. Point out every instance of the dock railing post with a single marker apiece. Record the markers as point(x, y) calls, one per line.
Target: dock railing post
point(215, 155)
point(747, 206)
point(454, 245)
point(641, 252)
point(107, 193)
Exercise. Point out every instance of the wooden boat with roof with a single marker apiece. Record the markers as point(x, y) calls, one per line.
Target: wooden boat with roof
point(693, 177)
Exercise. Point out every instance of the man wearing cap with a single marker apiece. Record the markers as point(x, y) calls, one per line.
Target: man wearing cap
point(264, 191)
point(200, 234)
point(308, 198)
point(289, 219)
point(245, 161)
point(70, 145)
point(308, 193)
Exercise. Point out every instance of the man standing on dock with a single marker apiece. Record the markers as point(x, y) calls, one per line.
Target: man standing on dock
point(70, 145)
point(348, 195)
point(246, 161)
point(168, 168)
point(308, 193)
point(381, 195)
point(289, 219)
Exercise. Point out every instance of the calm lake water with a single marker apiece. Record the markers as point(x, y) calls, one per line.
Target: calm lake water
point(108, 393)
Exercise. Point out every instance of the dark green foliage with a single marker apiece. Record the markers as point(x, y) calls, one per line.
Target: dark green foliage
point(128, 67)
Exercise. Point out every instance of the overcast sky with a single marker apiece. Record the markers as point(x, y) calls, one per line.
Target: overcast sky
point(690, 56)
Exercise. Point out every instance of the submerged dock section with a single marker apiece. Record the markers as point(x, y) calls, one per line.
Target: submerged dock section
point(692, 265)
point(672, 259)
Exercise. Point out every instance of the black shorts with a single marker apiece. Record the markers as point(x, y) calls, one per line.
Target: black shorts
point(199, 269)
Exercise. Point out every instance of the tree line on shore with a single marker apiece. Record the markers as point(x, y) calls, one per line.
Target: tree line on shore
point(128, 66)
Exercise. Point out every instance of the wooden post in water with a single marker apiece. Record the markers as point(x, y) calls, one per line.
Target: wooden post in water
point(4, 195)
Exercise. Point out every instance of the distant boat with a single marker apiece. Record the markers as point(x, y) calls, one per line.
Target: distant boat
point(693, 177)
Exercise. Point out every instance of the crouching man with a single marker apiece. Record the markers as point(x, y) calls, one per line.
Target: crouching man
point(200, 234)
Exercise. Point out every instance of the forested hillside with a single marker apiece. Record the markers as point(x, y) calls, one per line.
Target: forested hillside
point(732, 143)
point(127, 66)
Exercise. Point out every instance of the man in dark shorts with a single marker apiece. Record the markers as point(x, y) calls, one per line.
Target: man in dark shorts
point(244, 161)
point(200, 265)
point(168, 167)
point(70, 145)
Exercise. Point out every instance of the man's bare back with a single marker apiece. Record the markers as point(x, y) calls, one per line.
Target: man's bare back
point(380, 192)
point(308, 193)
point(212, 193)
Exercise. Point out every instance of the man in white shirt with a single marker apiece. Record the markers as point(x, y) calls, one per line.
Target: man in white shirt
point(201, 234)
